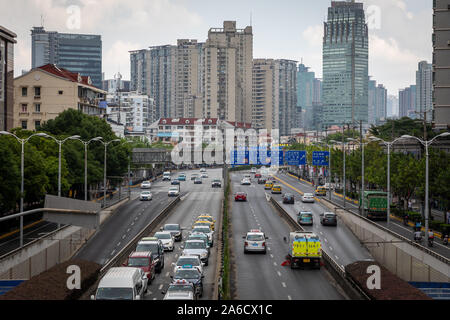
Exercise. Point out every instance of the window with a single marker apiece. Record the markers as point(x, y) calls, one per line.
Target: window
point(60, 92)
point(24, 107)
point(37, 124)
point(24, 91)
point(37, 107)
point(37, 91)
point(24, 124)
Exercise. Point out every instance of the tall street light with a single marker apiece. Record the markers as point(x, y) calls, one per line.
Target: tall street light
point(106, 144)
point(344, 144)
point(426, 144)
point(388, 144)
point(22, 142)
point(361, 204)
point(86, 143)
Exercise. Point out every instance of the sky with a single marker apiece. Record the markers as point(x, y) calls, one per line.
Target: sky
point(399, 30)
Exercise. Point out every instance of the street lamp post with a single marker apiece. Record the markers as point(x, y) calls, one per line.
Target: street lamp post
point(344, 144)
point(22, 168)
point(426, 144)
point(106, 144)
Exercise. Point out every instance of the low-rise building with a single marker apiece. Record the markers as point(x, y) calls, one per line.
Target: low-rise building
point(44, 92)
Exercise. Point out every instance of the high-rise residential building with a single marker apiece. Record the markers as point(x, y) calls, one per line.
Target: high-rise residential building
point(317, 104)
point(377, 103)
point(441, 62)
point(189, 79)
point(140, 71)
point(424, 89)
point(392, 106)
point(228, 73)
point(7, 41)
point(287, 95)
point(372, 101)
point(116, 84)
point(305, 96)
point(345, 64)
point(265, 109)
point(79, 53)
point(407, 102)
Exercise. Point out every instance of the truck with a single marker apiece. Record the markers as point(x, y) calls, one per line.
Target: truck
point(374, 204)
point(305, 249)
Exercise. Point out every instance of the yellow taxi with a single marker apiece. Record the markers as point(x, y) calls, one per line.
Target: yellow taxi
point(207, 218)
point(268, 185)
point(276, 188)
point(202, 223)
point(321, 191)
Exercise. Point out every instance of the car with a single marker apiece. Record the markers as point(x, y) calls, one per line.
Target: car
point(200, 236)
point(305, 218)
point(146, 185)
point(207, 217)
point(321, 191)
point(166, 176)
point(258, 175)
point(145, 195)
point(268, 185)
point(194, 176)
point(202, 170)
point(203, 223)
point(328, 185)
point(192, 275)
point(180, 290)
point(184, 261)
point(175, 182)
point(143, 260)
point(328, 219)
point(198, 181)
point(308, 197)
point(173, 192)
point(196, 248)
point(255, 241)
point(216, 183)
point(247, 176)
point(246, 182)
point(167, 240)
point(262, 180)
point(206, 230)
point(155, 246)
point(204, 175)
point(122, 283)
point(174, 229)
point(253, 170)
point(240, 196)
point(181, 177)
point(276, 189)
point(288, 198)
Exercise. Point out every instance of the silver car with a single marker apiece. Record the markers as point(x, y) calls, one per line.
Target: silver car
point(145, 195)
point(146, 185)
point(255, 241)
point(180, 290)
point(196, 248)
point(185, 261)
point(206, 230)
point(167, 240)
point(308, 197)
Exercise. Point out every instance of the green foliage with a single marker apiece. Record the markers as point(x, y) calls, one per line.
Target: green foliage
point(393, 129)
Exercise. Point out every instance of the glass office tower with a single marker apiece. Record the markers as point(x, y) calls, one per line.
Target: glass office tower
point(80, 53)
point(345, 65)
point(7, 41)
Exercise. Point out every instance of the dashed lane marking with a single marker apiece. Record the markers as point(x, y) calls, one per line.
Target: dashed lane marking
point(283, 284)
point(160, 287)
point(279, 273)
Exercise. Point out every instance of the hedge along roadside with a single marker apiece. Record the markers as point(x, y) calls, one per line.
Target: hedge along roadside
point(224, 288)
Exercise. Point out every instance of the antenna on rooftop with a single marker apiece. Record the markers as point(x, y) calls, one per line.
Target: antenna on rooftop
point(42, 20)
point(251, 19)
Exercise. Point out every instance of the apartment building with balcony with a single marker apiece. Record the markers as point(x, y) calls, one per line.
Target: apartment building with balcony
point(44, 92)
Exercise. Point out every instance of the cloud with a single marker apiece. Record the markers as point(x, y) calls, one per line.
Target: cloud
point(314, 35)
point(118, 58)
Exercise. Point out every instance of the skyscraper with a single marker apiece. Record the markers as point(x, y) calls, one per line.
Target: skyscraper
point(228, 73)
point(140, 71)
point(305, 95)
point(407, 102)
point(424, 91)
point(80, 53)
point(392, 106)
point(345, 64)
point(377, 103)
point(441, 62)
point(287, 95)
point(7, 41)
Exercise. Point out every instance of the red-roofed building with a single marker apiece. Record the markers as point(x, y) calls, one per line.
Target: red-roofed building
point(44, 92)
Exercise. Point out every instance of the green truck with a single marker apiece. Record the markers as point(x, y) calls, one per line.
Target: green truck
point(375, 204)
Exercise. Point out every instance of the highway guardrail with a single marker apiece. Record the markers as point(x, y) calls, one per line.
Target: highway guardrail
point(350, 287)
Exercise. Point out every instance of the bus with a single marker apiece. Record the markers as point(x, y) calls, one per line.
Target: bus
point(374, 204)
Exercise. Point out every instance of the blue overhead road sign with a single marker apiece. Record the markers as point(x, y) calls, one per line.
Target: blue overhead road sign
point(321, 158)
point(295, 158)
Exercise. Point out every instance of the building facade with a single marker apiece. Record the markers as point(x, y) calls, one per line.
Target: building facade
point(116, 84)
point(265, 109)
point(140, 71)
point(407, 102)
point(44, 92)
point(377, 106)
point(392, 106)
point(7, 41)
point(228, 73)
point(79, 53)
point(424, 92)
point(441, 62)
point(287, 95)
point(345, 65)
point(305, 96)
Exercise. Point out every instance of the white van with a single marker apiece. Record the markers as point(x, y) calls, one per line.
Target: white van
point(123, 283)
point(166, 176)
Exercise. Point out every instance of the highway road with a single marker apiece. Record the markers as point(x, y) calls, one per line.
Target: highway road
point(261, 277)
point(395, 226)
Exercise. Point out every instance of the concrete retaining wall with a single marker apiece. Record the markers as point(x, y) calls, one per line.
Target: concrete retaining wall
point(397, 255)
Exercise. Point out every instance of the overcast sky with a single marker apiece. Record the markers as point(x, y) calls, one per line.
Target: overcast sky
point(400, 30)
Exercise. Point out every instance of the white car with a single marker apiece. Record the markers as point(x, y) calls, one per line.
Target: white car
point(145, 195)
point(204, 175)
point(146, 185)
point(253, 170)
point(173, 192)
point(196, 248)
point(206, 230)
point(202, 170)
point(185, 261)
point(308, 197)
point(255, 241)
point(246, 182)
point(167, 240)
point(180, 290)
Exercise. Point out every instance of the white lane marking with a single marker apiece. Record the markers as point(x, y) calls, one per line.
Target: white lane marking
point(325, 240)
point(132, 223)
point(176, 256)
point(112, 253)
point(124, 236)
point(337, 258)
point(135, 219)
point(331, 248)
point(279, 273)
point(274, 263)
point(160, 287)
point(154, 298)
point(167, 274)
point(128, 230)
point(283, 284)
point(271, 256)
point(289, 298)
point(119, 244)
point(268, 249)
